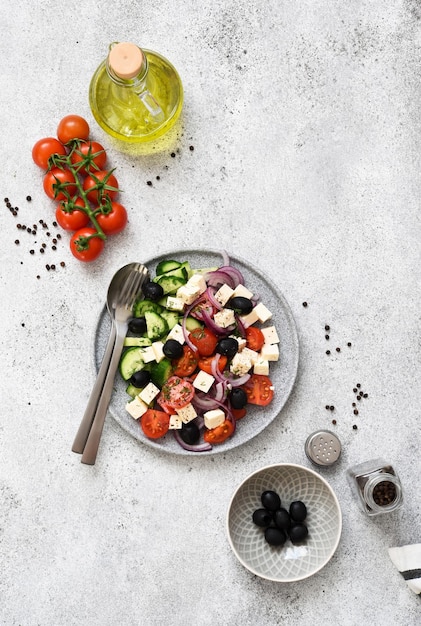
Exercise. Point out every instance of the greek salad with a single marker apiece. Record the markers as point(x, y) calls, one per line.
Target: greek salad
point(197, 353)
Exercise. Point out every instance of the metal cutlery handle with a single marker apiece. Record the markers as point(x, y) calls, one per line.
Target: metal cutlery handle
point(88, 417)
point(92, 444)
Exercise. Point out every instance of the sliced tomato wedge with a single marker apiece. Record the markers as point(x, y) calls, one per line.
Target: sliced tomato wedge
point(204, 340)
point(220, 433)
point(255, 338)
point(205, 363)
point(155, 424)
point(259, 390)
point(239, 413)
point(186, 364)
point(177, 392)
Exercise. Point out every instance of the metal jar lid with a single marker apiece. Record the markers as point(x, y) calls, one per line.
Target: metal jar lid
point(323, 448)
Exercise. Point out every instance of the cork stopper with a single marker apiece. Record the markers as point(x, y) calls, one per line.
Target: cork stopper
point(126, 60)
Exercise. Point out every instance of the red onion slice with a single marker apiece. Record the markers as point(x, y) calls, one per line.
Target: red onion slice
point(198, 447)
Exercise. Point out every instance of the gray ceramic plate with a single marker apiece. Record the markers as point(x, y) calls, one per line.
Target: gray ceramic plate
point(282, 373)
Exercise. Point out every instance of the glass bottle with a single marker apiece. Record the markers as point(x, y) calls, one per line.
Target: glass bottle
point(135, 95)
point(376, 486)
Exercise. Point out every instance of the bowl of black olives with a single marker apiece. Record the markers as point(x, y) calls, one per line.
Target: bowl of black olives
point(284, 522)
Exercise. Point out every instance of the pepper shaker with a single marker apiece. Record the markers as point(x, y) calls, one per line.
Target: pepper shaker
point(376, 486)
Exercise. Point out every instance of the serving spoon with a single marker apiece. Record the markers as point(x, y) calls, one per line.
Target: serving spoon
point(122, 291)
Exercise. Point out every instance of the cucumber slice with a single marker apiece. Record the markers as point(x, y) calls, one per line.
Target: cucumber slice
point(146, 305)
point(171, 317)
point(133, 391)
point(160, 372)
point(131, 362)
point(179, 272)
point(166, 266)
point(170, 284)
point(139, 342)
point(156, 325)
point(192, 323)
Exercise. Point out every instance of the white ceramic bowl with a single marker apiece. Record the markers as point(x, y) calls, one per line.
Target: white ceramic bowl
point(287, 563)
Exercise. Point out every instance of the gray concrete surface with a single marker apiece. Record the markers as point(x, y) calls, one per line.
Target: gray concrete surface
point(305, 122)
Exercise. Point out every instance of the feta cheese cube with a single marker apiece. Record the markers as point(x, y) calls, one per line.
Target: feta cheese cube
point(187, 413)
point(136, 407)
point(203, 381)
point(261, 367)
point(223, 294)
point(250, 319)
point(175, 304)
point(242, 291)
point(251, 354)
point(149, 393)
point(270, 352)
point(176, 333)
point(188, 294)
point(157, 348)
point(224, 318)
point(270, 334)
point(262, 312)
point(148, 354)
point(175, 422)
point(197, 281)
point(240, 364)
point(241, 342)
point(214, 418)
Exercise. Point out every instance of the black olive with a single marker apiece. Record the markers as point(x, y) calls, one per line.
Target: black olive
point(240, 305)
point(172, 349)
point(298, 532)
point(271, 500)
point(228, 347)
point(282, 519)
point(152, 291)
point(140, 378)
point(238, 398)
point(190, 433)
point(298, 511)
point(275, 536)
point(137, 325)
point(262, 518)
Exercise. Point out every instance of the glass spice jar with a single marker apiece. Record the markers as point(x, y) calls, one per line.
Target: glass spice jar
point(376, 486)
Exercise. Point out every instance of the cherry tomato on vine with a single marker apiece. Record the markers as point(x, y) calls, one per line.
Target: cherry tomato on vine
point(154, 423)
point(57, 183)
point(255, 338)
point(204, 340)
point(113, 219)
point(99, 185)
point(69, 217)
point(72, 127)
point(88, 156)
point(44, 149)
point(85, 244)
point(259, 389)
point(220, 433)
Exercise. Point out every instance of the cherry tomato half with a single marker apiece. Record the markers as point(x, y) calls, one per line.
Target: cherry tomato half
point(205, 363)
point(177, 392)
point(46, 148)
point(88, 156)
point(255, 338)
point(70, 217)
point(99, 185)
point(239, 413)
point(85, 244)
point(59, 184)
point(186, 364)
point(259, 390)
point(72, 127)
point(155, 424)
point(204, 340)
point(113, 219)
point(220, 433)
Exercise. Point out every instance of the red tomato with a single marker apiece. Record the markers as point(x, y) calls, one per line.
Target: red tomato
point(185, 365)
point(99, 185)
point(204, 340)
point(239, 413)
point(86, 245)
point(205, 363)
point(46, 148)
point(72, 127)
point(177, 392)
point(164, 406)
point(71, 218)
point(113, 218)
point(255, 338)
point(59, 184)
point(220, 433)
point(88, 156)
point(259, 389)
point(154, 423)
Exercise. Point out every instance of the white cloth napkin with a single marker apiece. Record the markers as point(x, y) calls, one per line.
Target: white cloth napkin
point(407, 560)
